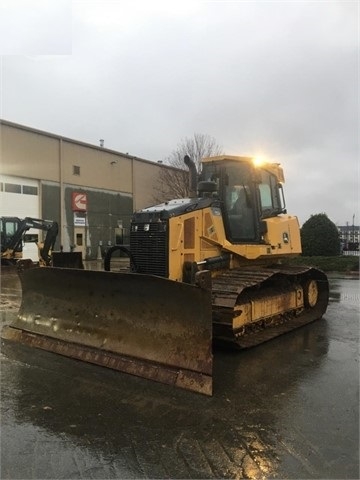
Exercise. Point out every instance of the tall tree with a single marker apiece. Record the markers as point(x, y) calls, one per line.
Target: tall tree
point(174, 177)
point(320, 236)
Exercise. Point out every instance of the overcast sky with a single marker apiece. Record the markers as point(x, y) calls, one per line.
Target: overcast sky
point(278, 79)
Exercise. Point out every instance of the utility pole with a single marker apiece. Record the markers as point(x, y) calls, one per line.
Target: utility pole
point(353, 228)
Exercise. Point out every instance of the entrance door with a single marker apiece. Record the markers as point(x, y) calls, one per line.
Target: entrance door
point(79, 240)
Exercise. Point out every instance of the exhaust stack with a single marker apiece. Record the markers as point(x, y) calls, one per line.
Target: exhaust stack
point(192, 176)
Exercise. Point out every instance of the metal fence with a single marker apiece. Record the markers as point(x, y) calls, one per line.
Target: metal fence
point(355, 253)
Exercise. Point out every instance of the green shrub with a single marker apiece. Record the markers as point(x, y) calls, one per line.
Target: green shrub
point(320, 236)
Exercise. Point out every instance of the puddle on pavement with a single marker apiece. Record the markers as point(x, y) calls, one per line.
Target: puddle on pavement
point(276, 411)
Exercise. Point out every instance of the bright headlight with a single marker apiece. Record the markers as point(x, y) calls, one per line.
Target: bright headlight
point(259, 161)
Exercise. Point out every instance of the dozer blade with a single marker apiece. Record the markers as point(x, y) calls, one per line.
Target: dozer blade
point(140, 324)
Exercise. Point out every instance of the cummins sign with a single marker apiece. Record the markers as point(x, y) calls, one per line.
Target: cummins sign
point(79, 202)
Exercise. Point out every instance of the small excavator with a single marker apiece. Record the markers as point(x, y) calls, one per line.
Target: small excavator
point(12, 231)
point(213, 268)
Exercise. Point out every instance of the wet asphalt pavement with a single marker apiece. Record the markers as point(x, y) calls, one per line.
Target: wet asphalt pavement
point(285, 409)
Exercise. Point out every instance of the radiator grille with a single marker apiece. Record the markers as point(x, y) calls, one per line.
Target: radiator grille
point(149, 248)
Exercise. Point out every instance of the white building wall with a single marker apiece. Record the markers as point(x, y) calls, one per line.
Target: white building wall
point(19, 197)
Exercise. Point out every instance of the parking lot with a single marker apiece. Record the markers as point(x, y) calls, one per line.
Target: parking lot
point(286, 409)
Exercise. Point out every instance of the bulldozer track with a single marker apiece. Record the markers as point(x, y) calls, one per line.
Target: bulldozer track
point(248, 284)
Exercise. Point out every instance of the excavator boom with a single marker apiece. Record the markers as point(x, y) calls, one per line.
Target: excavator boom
point(12, 232)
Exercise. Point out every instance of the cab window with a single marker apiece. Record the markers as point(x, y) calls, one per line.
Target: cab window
point(239, 203)
point(270, 203)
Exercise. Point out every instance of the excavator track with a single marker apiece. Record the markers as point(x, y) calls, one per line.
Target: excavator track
point(253, 305)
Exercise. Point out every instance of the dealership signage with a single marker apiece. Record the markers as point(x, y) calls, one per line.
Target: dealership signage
point(80, 219)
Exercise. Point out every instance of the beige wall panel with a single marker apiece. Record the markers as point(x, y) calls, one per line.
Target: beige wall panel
point(33, 154)
point(28, 154)
point(145, 181)
point(98, 168)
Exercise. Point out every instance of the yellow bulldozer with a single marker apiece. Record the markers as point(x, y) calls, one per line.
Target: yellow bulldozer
point(213, 268)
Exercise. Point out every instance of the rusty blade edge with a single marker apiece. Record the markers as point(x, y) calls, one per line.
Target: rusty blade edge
point(182, 378)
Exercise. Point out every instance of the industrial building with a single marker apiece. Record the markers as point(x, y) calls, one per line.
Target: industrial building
point(89, 190)
point(349, 237)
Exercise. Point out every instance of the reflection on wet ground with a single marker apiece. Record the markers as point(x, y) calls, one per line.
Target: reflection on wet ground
point(350, 295)
point(286, 409)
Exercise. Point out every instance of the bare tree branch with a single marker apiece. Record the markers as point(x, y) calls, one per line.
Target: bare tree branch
point(174, 182)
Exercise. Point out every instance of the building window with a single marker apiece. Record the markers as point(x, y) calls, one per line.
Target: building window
point(12, 188)
point(29, 190)
point(1, 187)
point(76, 170)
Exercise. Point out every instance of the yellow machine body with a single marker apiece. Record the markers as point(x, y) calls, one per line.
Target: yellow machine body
point(199, 235)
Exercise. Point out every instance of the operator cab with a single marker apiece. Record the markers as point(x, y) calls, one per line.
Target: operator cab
point(248, 195)
point(8, 227)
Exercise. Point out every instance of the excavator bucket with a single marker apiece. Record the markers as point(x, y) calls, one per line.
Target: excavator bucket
point(148, 326)
point(67, 259)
